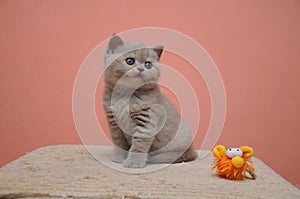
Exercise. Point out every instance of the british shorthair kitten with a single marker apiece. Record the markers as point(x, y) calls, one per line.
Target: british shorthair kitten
point(144, 125)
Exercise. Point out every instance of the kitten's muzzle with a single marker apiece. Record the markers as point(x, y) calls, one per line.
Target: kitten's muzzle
point(140, 68)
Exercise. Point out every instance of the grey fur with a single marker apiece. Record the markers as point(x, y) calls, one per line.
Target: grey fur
point(144, 125)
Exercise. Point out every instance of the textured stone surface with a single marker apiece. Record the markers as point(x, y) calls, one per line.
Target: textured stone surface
point(69, 171)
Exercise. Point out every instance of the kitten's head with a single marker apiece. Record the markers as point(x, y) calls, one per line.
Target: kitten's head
point(131, 64)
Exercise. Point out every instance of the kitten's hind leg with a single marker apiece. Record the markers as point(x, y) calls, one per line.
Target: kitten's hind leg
point(189, 155)
point(119, 155)
point(121, 145)
point(170, 157)
point(164, 158)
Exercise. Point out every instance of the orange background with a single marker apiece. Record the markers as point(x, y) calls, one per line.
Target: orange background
point(255, 44)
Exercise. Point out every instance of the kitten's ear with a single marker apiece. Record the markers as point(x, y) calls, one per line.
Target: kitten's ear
point(158, 49)
point(114, 42)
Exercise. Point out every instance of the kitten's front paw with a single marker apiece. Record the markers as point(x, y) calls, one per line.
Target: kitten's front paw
point(134, 163)
point(140, 115)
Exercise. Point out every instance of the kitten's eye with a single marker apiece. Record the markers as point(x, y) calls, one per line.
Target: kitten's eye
point(130, 61)
point(148, 64)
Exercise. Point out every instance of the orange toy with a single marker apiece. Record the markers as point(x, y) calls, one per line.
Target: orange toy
point(234, 163)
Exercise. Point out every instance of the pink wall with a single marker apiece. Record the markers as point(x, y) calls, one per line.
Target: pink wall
point(256, 45)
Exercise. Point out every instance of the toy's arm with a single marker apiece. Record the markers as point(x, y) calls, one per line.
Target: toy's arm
point(247, 151)
point(219, 151)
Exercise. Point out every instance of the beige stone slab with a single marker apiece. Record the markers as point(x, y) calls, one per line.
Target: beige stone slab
point(70, 171)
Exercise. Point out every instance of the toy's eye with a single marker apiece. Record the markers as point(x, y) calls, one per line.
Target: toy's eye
point(232, 152)
point(148, 64)
point(130, 61)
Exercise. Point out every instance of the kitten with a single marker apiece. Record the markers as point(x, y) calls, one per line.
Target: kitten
point(144, 125)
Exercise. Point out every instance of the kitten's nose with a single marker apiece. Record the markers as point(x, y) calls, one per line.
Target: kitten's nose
point(141, 69)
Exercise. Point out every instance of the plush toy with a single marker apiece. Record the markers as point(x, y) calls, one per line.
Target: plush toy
point(234, 163)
